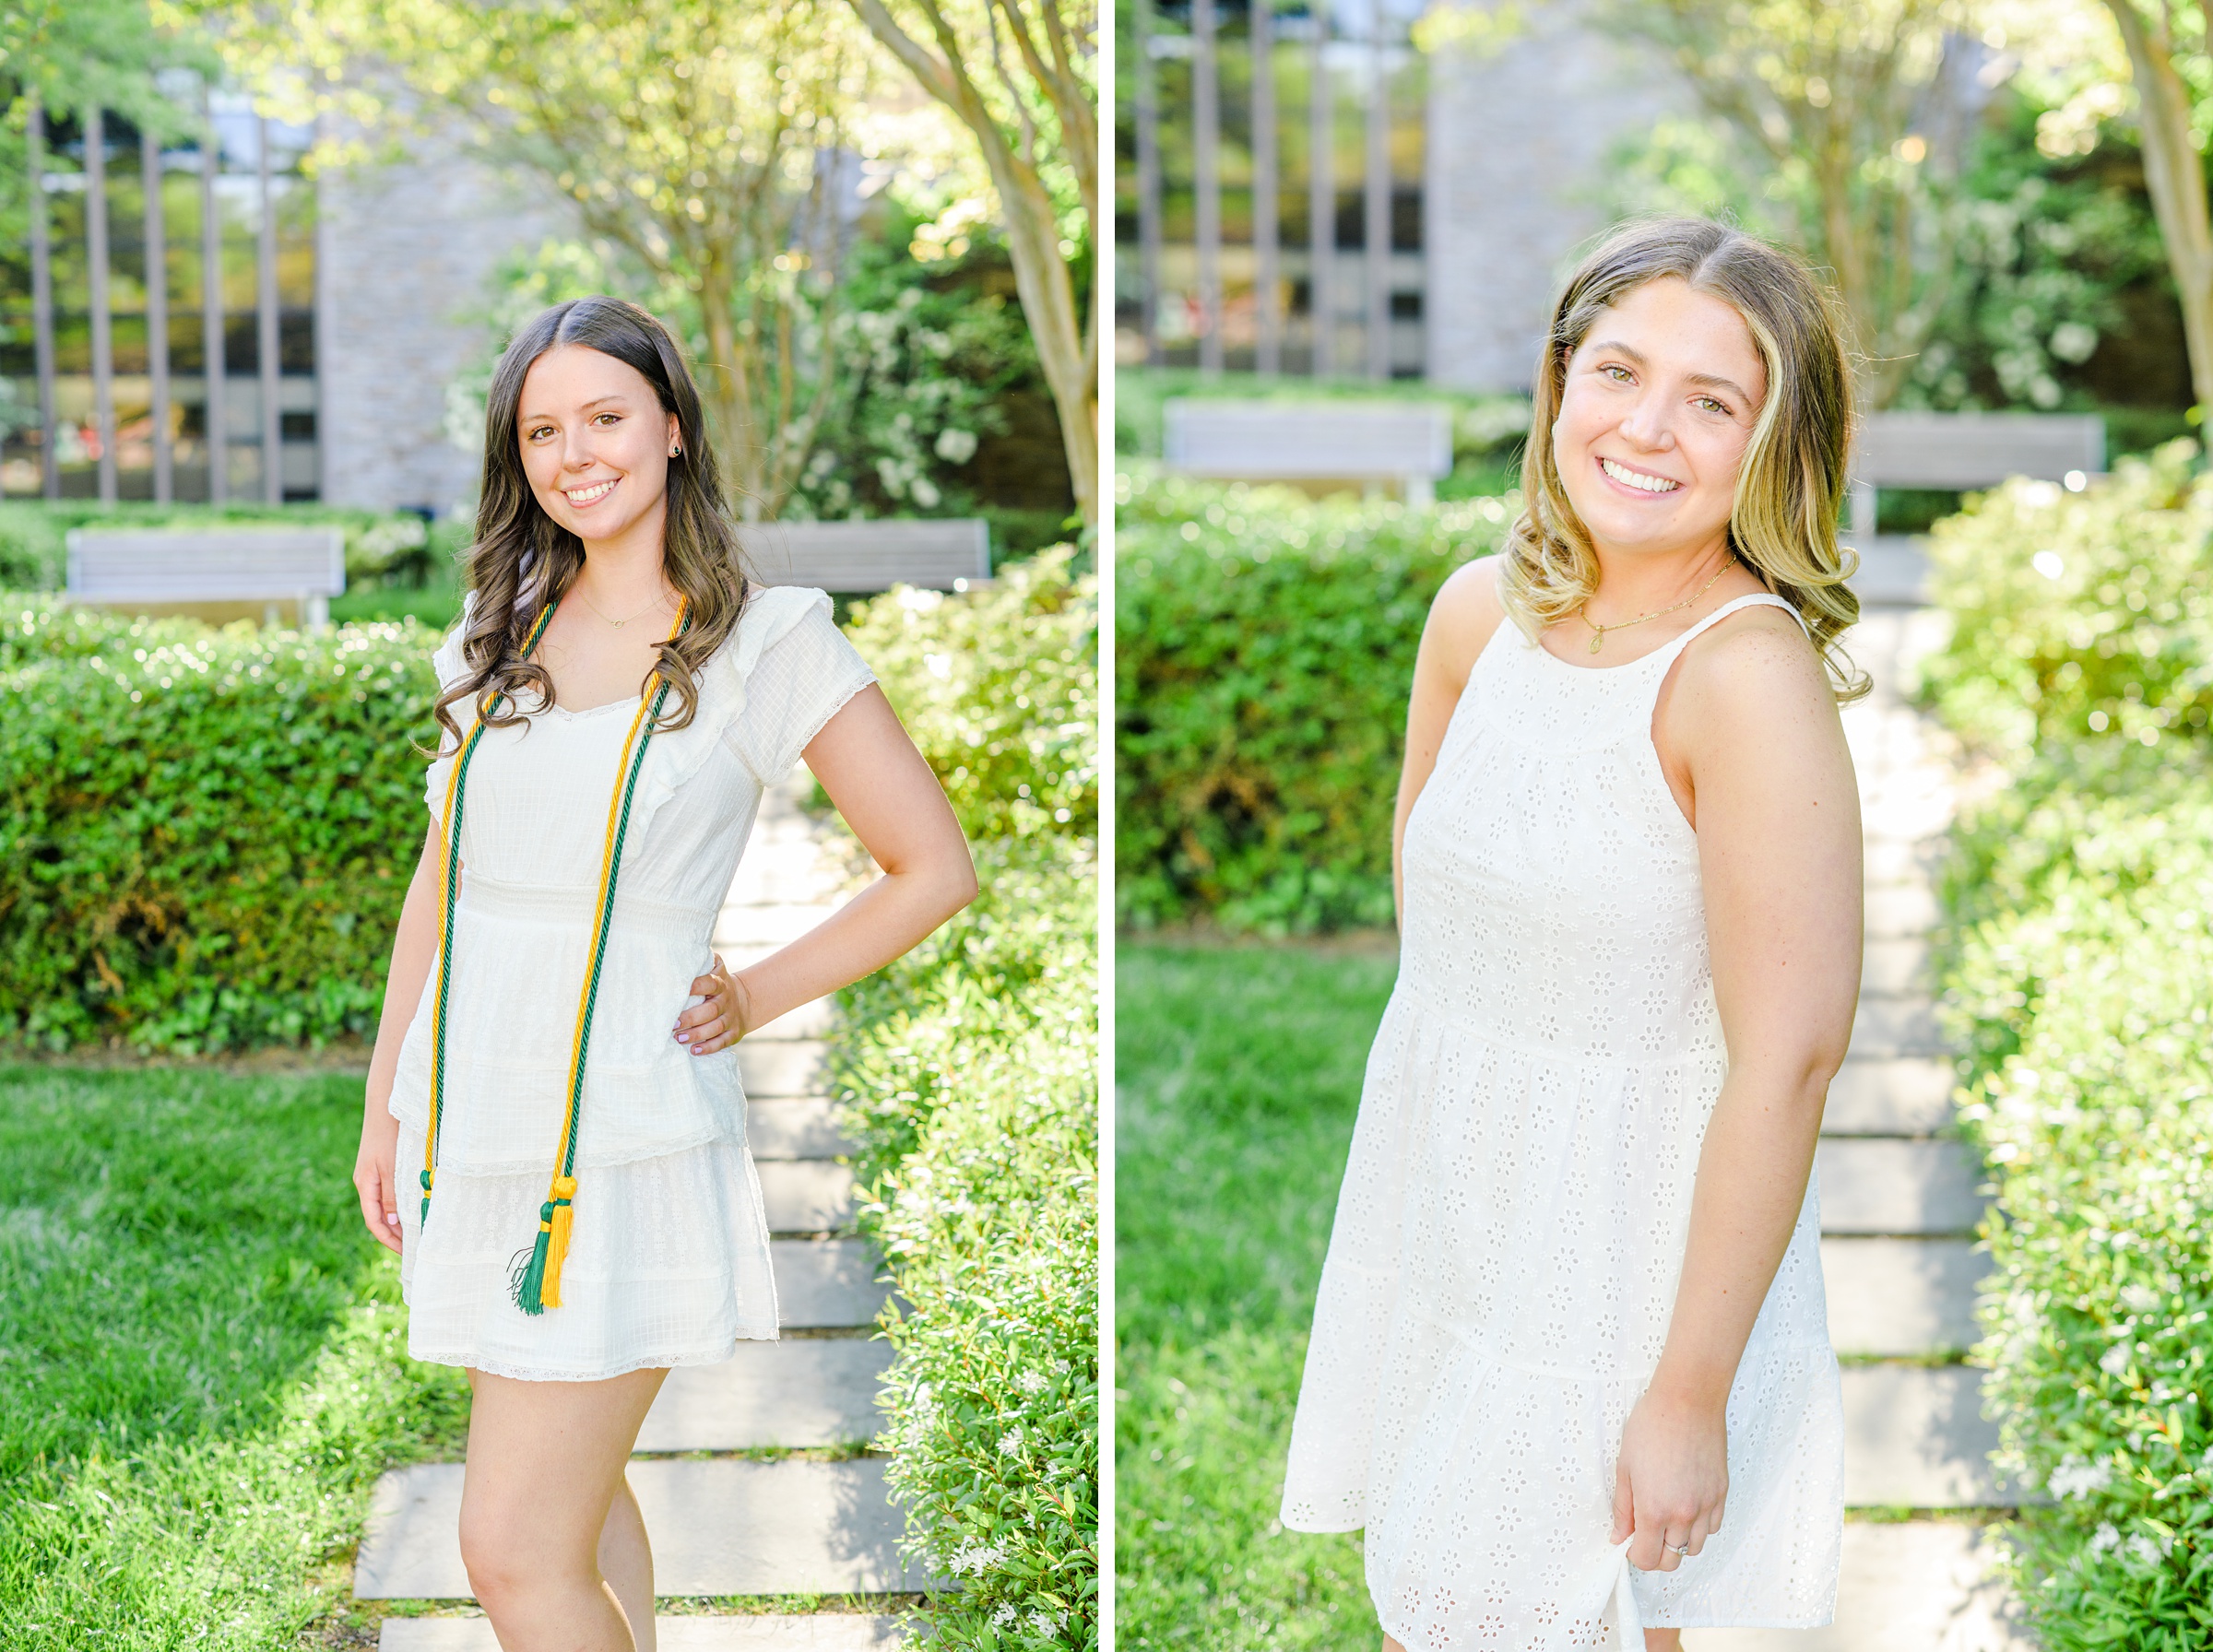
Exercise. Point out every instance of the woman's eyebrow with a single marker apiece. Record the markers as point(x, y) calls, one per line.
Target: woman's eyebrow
point(596, 401)
point(1615, 347)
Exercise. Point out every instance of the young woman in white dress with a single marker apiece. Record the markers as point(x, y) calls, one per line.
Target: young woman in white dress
point(554, 1136)
point(1570, 1365)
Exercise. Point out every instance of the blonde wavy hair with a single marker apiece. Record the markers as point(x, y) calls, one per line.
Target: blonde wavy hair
point(1783, 524)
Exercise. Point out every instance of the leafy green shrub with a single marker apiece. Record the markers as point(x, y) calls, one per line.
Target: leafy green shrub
point(2079, 975)
point(380, 545)
point(999, 688)
point(205, 836)
point(1264, 647)
point(2080, 616)
point(967, 1070)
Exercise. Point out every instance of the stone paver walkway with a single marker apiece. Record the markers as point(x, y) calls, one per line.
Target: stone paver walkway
point(722, 1524)
point(1899, 1206)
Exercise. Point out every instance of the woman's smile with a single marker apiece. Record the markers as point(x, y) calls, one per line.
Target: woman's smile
point(1638, 481)
point(590, 493)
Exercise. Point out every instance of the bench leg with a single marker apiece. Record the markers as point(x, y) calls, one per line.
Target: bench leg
point(316, 612)
point(1862, 495)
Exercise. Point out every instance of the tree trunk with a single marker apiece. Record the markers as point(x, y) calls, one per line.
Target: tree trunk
point(1067, 352)
point(2175, 174)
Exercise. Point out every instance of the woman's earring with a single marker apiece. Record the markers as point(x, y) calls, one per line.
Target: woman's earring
point(674, 451)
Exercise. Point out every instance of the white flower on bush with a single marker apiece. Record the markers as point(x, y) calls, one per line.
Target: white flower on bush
point(1032, 1382)
point(973, 1559)
point(1046, 1624)
point(2115, 1360)
point(2142, 1548)
point(1004, 1615)
point(2104, 1540)
point(2141, 1298)
point(956, 447)
point(1009, 1443)
point(2075, 1478)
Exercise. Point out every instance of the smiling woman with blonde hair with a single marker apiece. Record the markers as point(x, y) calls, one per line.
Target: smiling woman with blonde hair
point(1570, 1365)
point(554, 1136)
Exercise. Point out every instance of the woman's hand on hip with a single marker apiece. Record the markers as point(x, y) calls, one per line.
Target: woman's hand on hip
point(722, 1017)
point(376, 1177)
point(1670, 1481)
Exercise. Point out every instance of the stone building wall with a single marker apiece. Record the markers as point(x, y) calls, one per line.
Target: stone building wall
point(1518, 143)
point(405, 257)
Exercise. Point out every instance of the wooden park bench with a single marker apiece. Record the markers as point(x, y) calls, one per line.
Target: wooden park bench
point(1364, 444)
point(1954, 450)
point(219, 574)
point(944, 554)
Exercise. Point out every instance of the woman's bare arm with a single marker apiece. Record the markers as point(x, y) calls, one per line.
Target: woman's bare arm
point(1462, 619)
point(414, 949)
point(896, 807)
point(1753, 725)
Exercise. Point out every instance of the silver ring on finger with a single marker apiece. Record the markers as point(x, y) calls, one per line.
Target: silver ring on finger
point(1679, 1548)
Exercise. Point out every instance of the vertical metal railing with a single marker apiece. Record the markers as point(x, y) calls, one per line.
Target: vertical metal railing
point(213, 366)
point(272, 417)
point(1267, 280)
point(1206, 169)
point(157, 314)
point(103, 334)
point(41, 303)
point(1321, 199)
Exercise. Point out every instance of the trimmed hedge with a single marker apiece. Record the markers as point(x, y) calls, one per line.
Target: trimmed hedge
point(969, 1074)
point(2078, 972)
point(379, 544)
point(1264, 652)
point(205, 836)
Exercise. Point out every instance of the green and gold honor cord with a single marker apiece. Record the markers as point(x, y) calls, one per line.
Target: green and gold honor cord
point(535, 1277)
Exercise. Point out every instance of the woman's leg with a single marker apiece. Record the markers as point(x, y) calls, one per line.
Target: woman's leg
point(547, 1520)
point(1663, 1640)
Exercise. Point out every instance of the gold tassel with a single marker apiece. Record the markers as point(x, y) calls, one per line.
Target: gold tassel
point(557, 1248)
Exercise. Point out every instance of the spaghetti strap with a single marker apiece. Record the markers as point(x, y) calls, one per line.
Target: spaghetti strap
point(1758, 599)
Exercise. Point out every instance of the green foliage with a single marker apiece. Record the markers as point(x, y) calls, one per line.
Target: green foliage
point(207, 1363)
point(2079, 975)
point(379, 545)
point(968, 1073)
point(1238, 1077)
point(2080, 616)
point(999, 688)
point(205, 836)
point(1264, 648)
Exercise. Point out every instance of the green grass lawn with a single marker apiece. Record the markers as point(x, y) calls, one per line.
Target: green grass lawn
point(202, 1360)
point(1238, 1074)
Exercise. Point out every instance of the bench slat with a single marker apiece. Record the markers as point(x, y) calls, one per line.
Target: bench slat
point(1326, 440)
point(231, 565)
point(868, 556)
point(1975, 450)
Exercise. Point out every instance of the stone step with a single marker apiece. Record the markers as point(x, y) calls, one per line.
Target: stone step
point(1901, 911)
point(1915, 1437)
point(827, 1284)
point(806, 1196)
point(1917, 1586)
point(1873, 1184)
point(1896, 967)
point(793, 1128)
point(1902, 1296)
point(751, 1632)
point(1882, 1095)
point(1884, 1025)
point(768, 926)
point(718, 1526)
point(781, 1066)
point(801, 1391)
point(810, 1021)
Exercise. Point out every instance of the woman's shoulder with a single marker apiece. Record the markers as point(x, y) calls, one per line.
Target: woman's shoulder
point(1467, 612)
point(1754, 667)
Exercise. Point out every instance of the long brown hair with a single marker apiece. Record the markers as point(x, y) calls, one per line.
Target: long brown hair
point(1783, 524)
point(523, 561)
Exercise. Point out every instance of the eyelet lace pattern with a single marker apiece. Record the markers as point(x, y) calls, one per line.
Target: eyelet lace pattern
point(1517, 1202)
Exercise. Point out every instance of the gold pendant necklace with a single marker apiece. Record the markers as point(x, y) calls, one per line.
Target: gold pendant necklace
point(619, 624)
point(1598, 631)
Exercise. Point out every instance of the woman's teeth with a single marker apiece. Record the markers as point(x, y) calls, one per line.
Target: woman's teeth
point(1649, 484)
point(591, 495)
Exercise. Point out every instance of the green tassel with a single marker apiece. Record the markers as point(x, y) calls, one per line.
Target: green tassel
point(426, 1198)
point(528, 1279)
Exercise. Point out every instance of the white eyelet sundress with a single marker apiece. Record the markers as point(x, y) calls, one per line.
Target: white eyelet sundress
point(1515, 1209)
point(669, 1264)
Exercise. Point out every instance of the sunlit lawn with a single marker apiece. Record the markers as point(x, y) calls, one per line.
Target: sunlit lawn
point(1238, 1074)
point(201, 1360)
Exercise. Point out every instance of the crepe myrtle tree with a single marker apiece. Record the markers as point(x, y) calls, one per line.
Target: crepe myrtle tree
point(703, 138)
point(1022, 75)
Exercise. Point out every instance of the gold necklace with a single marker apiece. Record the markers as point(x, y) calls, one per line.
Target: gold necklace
point(619, 624)
point(1598, 631)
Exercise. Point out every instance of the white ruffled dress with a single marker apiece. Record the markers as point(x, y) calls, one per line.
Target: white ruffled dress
point(1517, 1202)
point(668, 1261)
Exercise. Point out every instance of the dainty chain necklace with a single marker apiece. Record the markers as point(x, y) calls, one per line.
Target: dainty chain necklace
point(619, 624)
point(1598, 631)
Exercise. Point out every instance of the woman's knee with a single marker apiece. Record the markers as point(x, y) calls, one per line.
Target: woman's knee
point(505, 1559)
